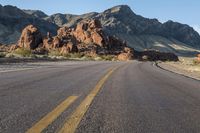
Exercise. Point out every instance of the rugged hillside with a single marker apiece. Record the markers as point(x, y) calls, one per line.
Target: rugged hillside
point(139, 32)
point(36, 13)
point(13, 20)
point(69, 20)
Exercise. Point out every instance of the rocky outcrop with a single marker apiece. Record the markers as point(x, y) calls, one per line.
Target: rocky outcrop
point(126, 55)
point(4, 48)
point(151, 55)
point(13, 47)
point(68, 48)
point(90, 31)
point(87, 38)
point(31, 38)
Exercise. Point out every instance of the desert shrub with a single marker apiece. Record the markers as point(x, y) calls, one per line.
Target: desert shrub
point(87, 57)
point(67, 55)
point(54, 52)
point(23, 52)
point(2, 54)
point(108, 57)
point(196, 62)
point(98, 58)
point(76, 55)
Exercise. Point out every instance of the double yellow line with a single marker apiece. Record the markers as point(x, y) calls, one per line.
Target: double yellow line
point(71, 124)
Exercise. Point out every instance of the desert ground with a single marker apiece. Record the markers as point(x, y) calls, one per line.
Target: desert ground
point(185, 66)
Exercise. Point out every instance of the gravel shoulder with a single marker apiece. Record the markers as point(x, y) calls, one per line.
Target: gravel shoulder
point(184, 67)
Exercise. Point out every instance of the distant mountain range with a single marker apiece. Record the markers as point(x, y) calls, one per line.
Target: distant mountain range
point(139, 32)
point(13, 20)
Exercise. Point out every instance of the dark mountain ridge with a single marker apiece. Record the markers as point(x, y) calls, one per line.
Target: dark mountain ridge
point(139, 32)
point(122, 20)
point(13, 20)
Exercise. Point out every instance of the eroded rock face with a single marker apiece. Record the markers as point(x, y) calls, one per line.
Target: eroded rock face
point(13, 47)
point(4, 48)
point(30, 38)
point(87, 38)
point(68, 48)
point(90, 31)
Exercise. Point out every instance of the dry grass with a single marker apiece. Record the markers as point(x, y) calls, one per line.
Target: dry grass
point(2, 54)
point(23, 52)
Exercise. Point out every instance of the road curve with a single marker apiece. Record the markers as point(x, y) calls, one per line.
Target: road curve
point(108, 97)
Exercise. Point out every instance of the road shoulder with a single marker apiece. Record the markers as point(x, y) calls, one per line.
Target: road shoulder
point(179, 69)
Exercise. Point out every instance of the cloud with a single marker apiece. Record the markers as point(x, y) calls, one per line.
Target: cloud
point(197, 28)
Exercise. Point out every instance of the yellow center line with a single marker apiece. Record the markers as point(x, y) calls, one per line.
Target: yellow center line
point(75, 118)
point(50, 117)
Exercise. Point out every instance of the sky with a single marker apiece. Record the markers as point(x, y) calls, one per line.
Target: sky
point(183, 11)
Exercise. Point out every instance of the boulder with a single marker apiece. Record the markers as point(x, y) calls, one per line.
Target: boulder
point(30, 38)
point(125, 56)
point(90, 31)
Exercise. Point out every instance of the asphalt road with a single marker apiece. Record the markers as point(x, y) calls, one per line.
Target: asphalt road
point(98, 97)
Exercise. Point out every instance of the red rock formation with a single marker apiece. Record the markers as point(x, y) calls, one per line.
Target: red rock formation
point(30, 38)
point(56, 42)
point(198, 57)
point(68, 48)
point(126, 55)
point(13, 47)
point(90, 31)
point(4, 48)
point(87, 38)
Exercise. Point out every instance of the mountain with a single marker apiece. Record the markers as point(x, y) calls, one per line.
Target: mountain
point(69, 20)
point(36, 13)
point(13, 20)
point(139, 32)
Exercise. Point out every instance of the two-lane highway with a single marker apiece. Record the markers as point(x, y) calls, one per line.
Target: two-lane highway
point(87, 97)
